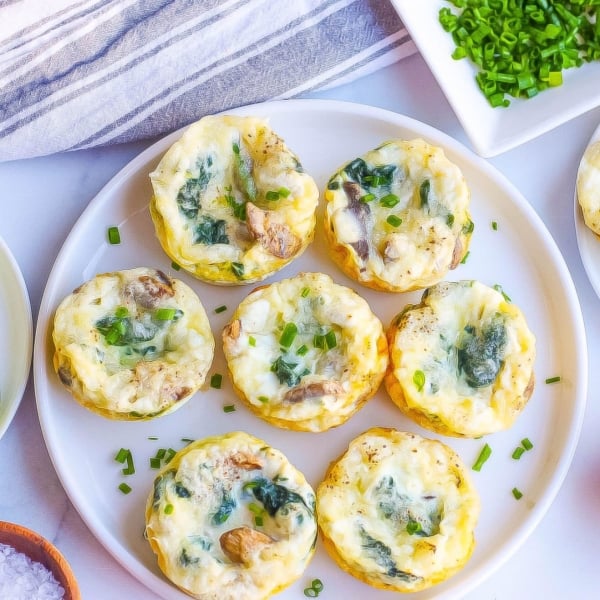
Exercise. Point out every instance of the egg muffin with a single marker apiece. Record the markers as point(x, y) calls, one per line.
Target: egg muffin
point(588, 186)
point(132, 344)
point(305, 353)
point(232, 203)
point(397, 218)
point(398, 511)
point(461, 361)
point(229, 517)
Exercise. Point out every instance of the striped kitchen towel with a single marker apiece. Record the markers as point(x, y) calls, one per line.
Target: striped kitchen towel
point(83, 73)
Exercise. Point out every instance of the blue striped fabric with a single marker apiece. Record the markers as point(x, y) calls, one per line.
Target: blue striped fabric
point(82, 73)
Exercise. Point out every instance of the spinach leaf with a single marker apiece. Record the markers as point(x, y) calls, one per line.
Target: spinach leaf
point(123, 331)
point(185, 560)
point(188, 197)
point(370, 177)
point(242, 172)
point(272, 495)
point(480, 353)
point(182, 491)
point(160, 485)
point(225, 509)
point(211, 231)
point(286, 372)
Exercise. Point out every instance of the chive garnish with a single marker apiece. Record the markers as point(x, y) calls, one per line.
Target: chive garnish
point(302, 350)
point(251, 340)
point(169, 454)
point(124, 488)
point(553, 379)
point(169, 509)
point(394, 221)
point(526, 443)
point(121, 455)
point(175, 266)
point(498, 288)
point(482, 458)
point(518, 452)
point(517, 493)
point(330, 339)
point(413, 527)
point(305, 292)
point(258, 520)
point(216, 380)
point(289, 334)
point(419, 379)
point(389, 200)
point(165, 314)
point(263, 399)
point(316, 587)
point(154, 463)
point(319, 341)
point(220, 309)
point(271, 195)
point(152, 437)
point(114, 236)
point(229, 408)
point(464, 258)
point(367, 198)
point(494, 225)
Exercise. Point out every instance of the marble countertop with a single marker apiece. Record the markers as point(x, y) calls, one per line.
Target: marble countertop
point(41, 200)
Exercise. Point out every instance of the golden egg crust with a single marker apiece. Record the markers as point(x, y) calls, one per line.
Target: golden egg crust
point(397, 218)
point(461, 361)
point(588, 187)
point(132, 344)
point(231, 202)
point(305, 353)
point(230, 518)
point(398, 511)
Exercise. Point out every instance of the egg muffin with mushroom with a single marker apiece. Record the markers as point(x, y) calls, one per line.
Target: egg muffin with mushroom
point(305, 353)
point(230, 517)
point(397, 218)
point(461, 361)
point(398, 511)
point(588, 186)
point(132, 344)
point(232, 203)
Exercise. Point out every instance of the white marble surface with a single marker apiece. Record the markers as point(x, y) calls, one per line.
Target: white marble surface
point(42, 198)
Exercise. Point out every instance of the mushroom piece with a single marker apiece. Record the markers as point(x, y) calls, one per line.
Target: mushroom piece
point(148, 291)
point(231, 333)
point(242, 543)
point(275, 237)
point(245, 460)
point(313, 390)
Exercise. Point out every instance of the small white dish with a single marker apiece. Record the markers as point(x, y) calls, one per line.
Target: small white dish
point(494, 130)
point(16, 337)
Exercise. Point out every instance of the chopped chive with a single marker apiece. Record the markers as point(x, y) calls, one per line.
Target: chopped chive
point(154, 463)
point(124, 488)
point(165, 314)
point(121, 312)
point(114, 236)
point(517, 493)
point(553, 379)
point(271, 195)
point(283, 192)
point(526, 443)
point(494, 225)
point(130, 468)
point(255, 509)
point(330, 339)
point(152, 437)
point(263, 399)
point(258, 520)
point(317, 585)
point(319, 341)
point(367, 197)
point(235, 148)
point(187, 440)
point(482, 458)
point(389, 200)
point(419, 379)
point(498, 288)
point(169, 454)
point(305, 292)
point(394, 221)
point(169, 509)
point(413, 527)
point(121, 455)
point(289, 334)
point(160, 453)
point(220, 309)
point(464, 258)
point(251, 340)
point(175, 266)
point(302, 350)
point(518, 452)
point(229, 408)
point(216, 380)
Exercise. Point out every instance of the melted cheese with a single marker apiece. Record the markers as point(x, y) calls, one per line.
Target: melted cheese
point(231, 202)
point(230, 518)
point(398, 511)
point(397, 218)
point(461, 361)
point(132, 344)
point(334, 363)
point(588, 187)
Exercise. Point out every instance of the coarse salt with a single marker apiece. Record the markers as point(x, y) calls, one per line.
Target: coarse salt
point(24, 579)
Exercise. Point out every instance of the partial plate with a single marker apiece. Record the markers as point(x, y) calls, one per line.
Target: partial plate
point(587, 241)
point(16, 336)
point(494, 130)
point(520, 255)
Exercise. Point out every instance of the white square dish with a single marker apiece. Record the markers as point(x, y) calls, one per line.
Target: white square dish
point(494, 130)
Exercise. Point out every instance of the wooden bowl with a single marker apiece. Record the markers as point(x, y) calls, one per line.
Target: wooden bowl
point(40, 550)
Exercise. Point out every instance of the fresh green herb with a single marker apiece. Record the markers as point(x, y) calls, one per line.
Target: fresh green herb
point(419, 379)
point(124, 455)
point(517, 493)
point(225, 509)
point(330, 339)
point(485, 453)
point(450, 220)
point(468, 227)
point(424, 190)
point(389, 200)
point(239, 208)
point(465, 257)
point(169, 454)
point(210, 231)
point(494, 225)
point(319, 341)
point(152, 437)
point(229, 408)
point(498, 288)
point(175, 266)
point(367, 198)
point(242, 170)
point(154, 463)
point(187, 440)
point(413, 527)
point(518, 452)
point(165, 314)
point(188, 197)
point(526, 443)
point(316, 587)
point(553, 379)
point(238, 269)
point(286, 372)
point(394, 221)
point(216, 380)
point(263, 399)
point(305, 292)
point(302, 350)
point(288, 335)
point(114, 236)
point(121, 455)
point(124, 488)
point(169, 509)
point(220, 309)
point(251, 340)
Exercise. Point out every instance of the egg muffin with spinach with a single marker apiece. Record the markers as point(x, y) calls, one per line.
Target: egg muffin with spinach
point(461, 361)
point(132, 344)
point(397, 218)
point(230, 517)
point(232, 203)
point(588, 186)
point(305, 353)
point(398, 511)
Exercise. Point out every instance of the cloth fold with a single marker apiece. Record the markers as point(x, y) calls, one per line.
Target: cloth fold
point(82, 73)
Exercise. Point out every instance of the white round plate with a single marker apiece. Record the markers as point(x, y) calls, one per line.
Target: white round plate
point(520, 256)
point(16, 337)
point(587, 241)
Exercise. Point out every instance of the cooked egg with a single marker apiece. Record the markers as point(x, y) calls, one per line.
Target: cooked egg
point(305, 353)
point(230, 518)
point(398, 511)
point(461, 361)
point(588, 186)
point(397, 218)
point(132, 344)
point(232, 203)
